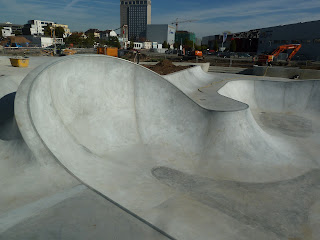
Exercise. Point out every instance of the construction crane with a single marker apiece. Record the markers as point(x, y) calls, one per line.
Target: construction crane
point(176, 22)
point(124, 30)
point(118, 28)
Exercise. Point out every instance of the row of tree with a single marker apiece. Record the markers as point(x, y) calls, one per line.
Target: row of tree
point(49, 31)
point(186, 44)
point(78, 39)
point(233, 46)
point(189, 45)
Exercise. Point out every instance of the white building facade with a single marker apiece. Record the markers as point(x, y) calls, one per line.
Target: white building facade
point(47, 41)
point(36, 27)
point(147, 45)
point(137, 45)
point(7, 32)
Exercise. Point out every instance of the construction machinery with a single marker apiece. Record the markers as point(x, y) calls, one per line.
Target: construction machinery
point(177, 21)
point(191, 55)
point(268, 58)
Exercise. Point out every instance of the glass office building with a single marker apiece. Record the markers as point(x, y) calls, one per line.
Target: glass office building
point(136, 15)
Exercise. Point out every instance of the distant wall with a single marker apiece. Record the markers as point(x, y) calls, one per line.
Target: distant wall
point(306, 34)
point(286, 72)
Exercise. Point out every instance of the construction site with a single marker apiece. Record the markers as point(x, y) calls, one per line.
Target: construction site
point(98, 147)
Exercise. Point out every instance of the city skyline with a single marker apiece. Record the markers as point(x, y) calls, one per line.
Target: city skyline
point(213, 17)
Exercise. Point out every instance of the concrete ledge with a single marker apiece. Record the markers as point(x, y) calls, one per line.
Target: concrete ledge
point(204, 66)
point(286, 72)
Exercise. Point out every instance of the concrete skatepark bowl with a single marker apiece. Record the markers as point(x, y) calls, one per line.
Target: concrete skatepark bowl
point(111, 149)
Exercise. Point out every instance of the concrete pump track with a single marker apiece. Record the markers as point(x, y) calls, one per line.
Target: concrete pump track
point(101, 148)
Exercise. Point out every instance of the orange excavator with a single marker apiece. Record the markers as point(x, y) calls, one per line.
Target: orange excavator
point(265, 58)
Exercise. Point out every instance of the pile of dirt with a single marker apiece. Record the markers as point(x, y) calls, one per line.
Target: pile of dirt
point(165, 67)
point(15, 39)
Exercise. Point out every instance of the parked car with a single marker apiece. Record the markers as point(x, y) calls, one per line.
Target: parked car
point(13, 45)
point(224, 54)
point(211, 52)
point(244, 55)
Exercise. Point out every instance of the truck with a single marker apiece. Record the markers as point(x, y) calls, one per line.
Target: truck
point(193, 55)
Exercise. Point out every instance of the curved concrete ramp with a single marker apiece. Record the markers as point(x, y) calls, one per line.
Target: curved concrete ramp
point(39, 199)
point(192, 172)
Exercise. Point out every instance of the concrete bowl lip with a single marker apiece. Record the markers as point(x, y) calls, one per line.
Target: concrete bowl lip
point(198, 68)
point(27, 82)
point(22, 107)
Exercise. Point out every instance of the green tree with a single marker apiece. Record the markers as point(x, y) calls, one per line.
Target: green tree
point(197, 47)
point(113, 42)
point(102, 42)
point(215, 46)
point(59, 31)
point(204, 47)
point(233, 45)
point(17, 33)
point(165, 44)
point(88, 42)
point(75, 39)
point(47, 30)
point(131, 45)
point(188, 44)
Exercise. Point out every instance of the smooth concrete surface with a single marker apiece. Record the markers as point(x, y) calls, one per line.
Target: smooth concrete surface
point(189, 156)
point(286, 72)
point(39, 197)
point(87, 214)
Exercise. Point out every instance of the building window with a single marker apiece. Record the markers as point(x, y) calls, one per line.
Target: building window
point(122, 2)
point(317, 40)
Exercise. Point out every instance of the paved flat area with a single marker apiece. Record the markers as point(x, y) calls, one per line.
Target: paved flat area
point(107, 143)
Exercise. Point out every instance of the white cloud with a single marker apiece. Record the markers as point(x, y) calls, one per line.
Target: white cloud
point(73, 2)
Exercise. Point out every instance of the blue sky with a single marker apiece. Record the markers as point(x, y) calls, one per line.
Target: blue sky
point(213, 17)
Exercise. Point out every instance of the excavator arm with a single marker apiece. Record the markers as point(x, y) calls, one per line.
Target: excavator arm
point(295, 50)
point(280, 49)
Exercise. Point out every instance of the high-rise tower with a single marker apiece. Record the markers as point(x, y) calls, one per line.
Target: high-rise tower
point(136, 15)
